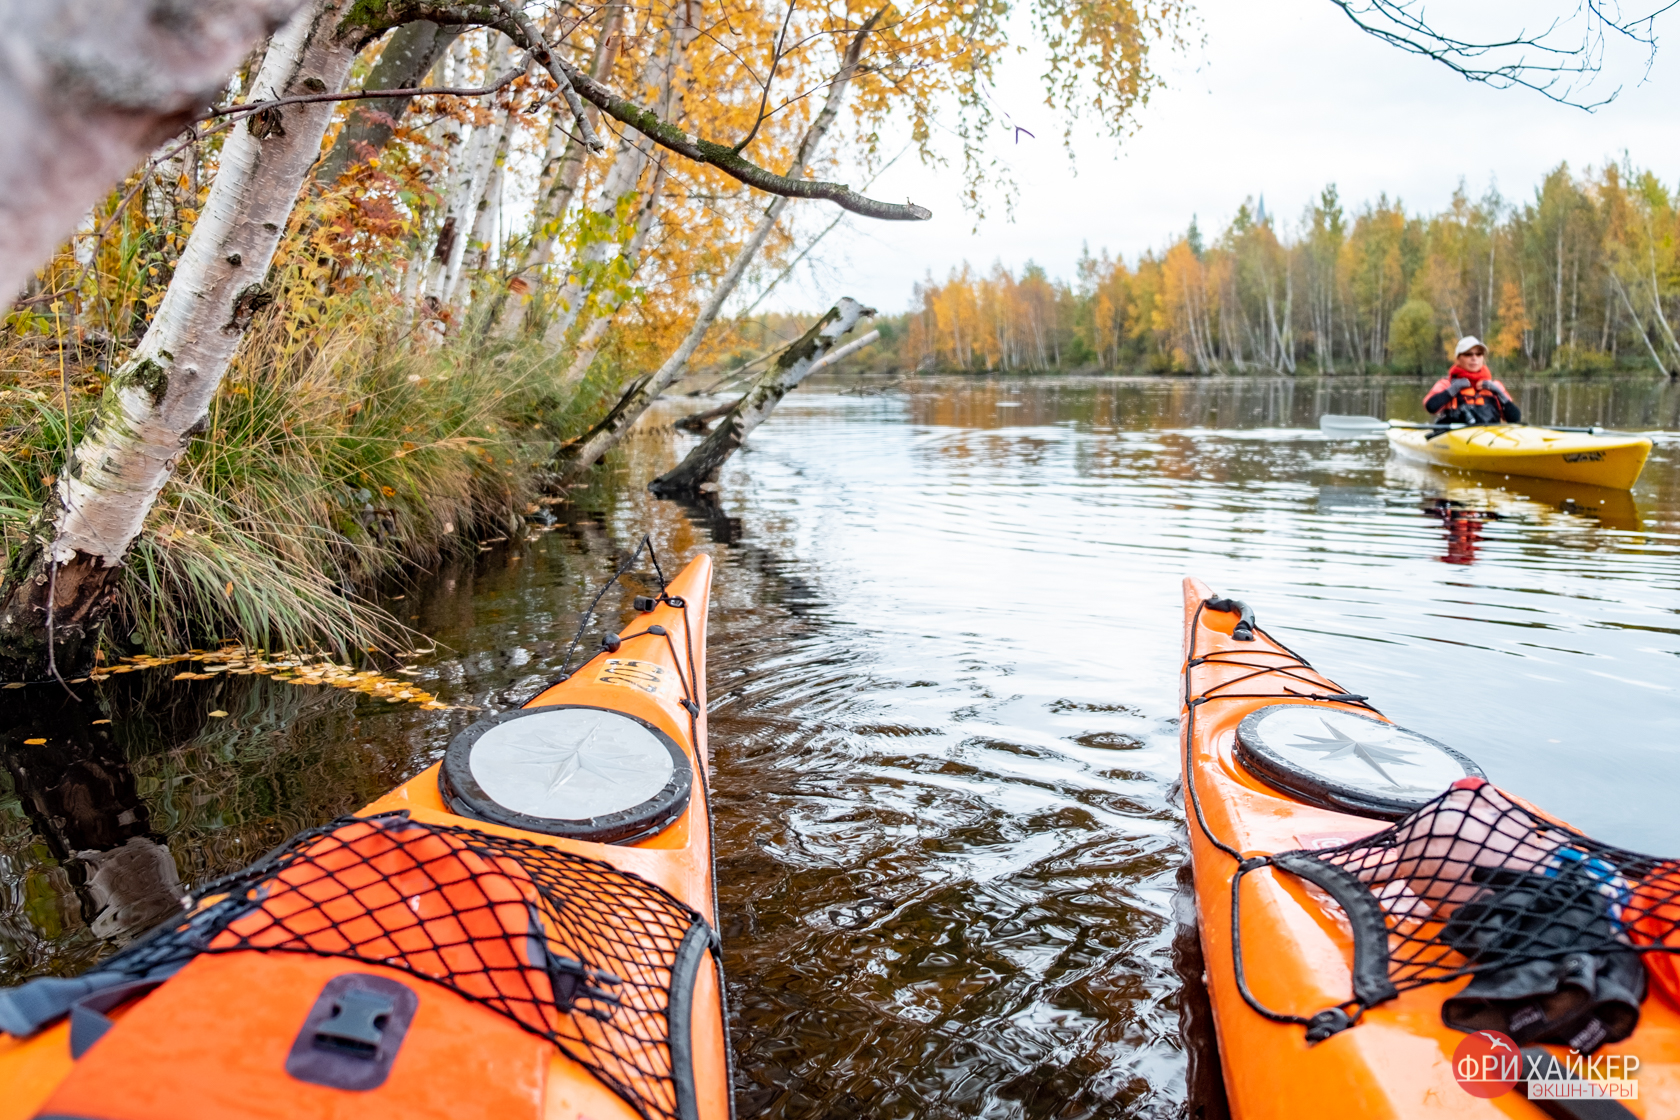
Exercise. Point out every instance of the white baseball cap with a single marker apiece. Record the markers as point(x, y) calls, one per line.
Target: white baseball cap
point(1467, 343)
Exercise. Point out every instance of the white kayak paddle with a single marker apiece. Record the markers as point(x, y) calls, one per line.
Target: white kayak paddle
point(1367, 427)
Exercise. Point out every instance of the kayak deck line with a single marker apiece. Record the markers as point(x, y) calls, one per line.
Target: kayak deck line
point(1315, 902)
point(440, 954)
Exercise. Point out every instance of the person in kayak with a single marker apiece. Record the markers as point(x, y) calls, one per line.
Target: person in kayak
point(1468, 394)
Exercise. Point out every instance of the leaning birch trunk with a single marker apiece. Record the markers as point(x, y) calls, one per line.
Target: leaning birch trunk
point(562, 170)
point(606, 308)
point(409, 56)
point(664, 74)
point(796, 363)
point(65, 582)
point(88, 88)
point(583, 452)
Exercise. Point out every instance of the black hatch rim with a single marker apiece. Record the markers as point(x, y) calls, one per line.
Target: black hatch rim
point(462, 794)
point(1318, 791)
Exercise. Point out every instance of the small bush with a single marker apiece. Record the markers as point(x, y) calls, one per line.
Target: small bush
point(1414, 341)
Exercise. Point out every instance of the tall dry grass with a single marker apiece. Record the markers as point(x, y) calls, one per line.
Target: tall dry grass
point(329, 458)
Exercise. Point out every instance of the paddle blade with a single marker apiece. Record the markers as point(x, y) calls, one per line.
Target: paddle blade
point(1351, 427)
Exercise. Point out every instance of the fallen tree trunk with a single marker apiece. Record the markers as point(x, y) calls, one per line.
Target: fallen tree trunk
point(61, 585)
point(88, 88)
point(796, 363)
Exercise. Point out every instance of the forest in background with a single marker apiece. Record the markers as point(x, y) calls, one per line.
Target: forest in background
point(1583, 276)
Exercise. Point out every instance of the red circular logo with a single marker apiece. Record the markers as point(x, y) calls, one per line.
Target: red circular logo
point(1487, 1064)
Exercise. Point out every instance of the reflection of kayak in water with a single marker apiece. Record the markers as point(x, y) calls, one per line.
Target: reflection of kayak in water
point(525, 930)
point(1612, 461)
point(1517, 495)
point(1383, 888)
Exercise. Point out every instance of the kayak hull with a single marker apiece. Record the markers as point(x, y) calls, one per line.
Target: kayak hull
point(1396, 1062)
point(1517, 449)
point(212, 1042)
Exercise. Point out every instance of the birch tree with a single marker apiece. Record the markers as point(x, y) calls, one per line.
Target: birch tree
point(619, 187)
point(808, 354)
point(90, 87)
point(409, 55)
point(60, 589)
point(562, 168)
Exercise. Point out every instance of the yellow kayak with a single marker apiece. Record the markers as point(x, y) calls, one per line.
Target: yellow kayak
point(1613, 461)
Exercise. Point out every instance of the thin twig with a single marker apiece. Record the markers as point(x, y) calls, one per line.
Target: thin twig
point(769, 79)
point(357, 95)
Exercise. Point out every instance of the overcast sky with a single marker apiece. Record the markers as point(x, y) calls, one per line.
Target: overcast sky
point(1282, 97)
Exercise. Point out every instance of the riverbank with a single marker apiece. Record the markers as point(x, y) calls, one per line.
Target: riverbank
point(335, 454)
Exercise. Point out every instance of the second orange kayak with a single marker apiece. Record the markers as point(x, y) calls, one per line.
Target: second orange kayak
point(1311, 1018)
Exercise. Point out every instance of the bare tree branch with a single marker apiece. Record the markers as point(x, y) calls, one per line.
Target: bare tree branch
point(310, 98)
point(1563, 73)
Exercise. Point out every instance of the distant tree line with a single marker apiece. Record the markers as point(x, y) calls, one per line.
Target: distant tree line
point(1585, 275)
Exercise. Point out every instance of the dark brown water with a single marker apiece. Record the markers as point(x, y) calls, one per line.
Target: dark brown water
point(945, 641)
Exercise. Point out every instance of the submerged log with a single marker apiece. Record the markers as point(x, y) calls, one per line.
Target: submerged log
point(815, 349)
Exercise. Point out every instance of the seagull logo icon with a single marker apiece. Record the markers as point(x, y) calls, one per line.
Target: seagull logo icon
point(1339, 744)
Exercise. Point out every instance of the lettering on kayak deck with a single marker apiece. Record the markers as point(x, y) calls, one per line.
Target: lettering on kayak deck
point(630, 673)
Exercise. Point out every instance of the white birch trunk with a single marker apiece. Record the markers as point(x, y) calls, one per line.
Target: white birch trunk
point(589, 342)
point(88, 88)
point(163, 392)
point(562, 168)
point(663, 75)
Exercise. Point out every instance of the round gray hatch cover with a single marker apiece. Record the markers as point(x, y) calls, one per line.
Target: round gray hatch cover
point(1342, 760)
point(568, 770)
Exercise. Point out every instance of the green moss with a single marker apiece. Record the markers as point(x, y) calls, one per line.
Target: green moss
point(148, 375)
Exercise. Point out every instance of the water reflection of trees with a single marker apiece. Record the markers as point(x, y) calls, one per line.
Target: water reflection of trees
point(1129, 403)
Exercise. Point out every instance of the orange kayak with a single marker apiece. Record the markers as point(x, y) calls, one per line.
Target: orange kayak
point(1280, 759)
point(526, 929)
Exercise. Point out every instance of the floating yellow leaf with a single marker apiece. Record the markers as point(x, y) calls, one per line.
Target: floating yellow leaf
point(97, 722)
point(218, 714)
point(33, 742)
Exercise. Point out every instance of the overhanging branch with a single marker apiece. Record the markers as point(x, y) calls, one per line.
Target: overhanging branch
point(1561, 73)
point(496, 13)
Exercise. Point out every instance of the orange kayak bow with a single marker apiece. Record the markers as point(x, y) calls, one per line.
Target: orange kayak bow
point(526, 929)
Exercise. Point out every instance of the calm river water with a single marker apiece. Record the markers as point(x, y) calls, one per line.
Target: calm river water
point(945, 645)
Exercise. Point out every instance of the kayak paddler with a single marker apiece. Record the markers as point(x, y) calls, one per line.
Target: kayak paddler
point(1468, 394)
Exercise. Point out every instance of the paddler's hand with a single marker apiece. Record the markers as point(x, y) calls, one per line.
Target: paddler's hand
point(1458, 385)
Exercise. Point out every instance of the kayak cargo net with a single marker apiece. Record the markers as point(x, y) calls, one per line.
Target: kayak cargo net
point(1556, 930)
point(600, 962)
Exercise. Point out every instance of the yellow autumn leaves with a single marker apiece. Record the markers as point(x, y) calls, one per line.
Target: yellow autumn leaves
point(239, 661)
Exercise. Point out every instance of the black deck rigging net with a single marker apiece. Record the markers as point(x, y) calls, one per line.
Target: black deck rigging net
point(1556, 929)
point(598, 961)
